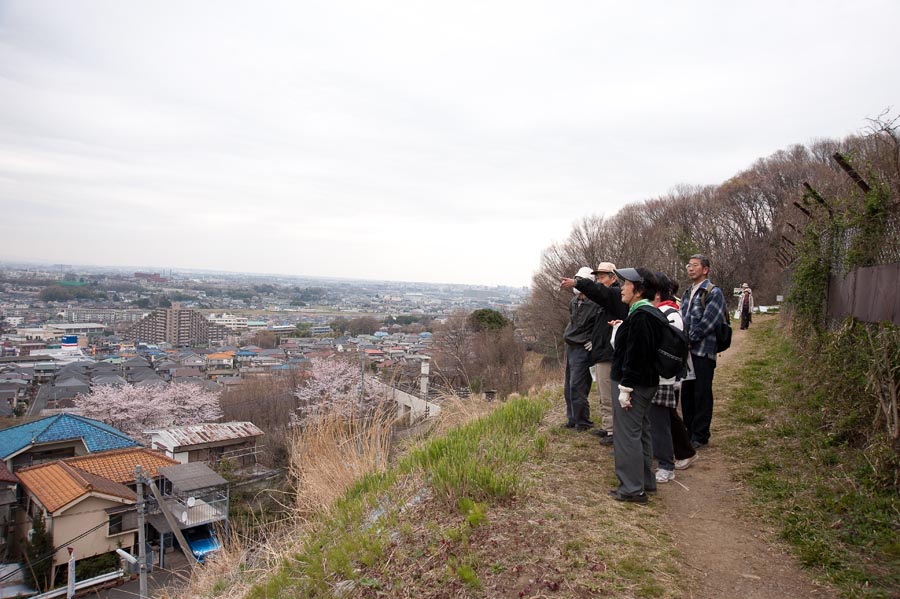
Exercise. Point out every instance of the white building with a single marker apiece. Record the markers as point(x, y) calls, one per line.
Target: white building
point(230, 321)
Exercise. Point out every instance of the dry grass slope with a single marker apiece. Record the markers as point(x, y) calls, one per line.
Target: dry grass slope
point(494, 501)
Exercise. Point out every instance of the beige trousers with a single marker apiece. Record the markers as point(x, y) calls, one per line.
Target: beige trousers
point(601, 372)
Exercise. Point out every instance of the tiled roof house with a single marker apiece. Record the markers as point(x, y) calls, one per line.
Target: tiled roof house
point(82, 510)
point(57, 437)
point(119, 465)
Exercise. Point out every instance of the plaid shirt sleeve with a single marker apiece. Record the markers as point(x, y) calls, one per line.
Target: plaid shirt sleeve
point(701, 324)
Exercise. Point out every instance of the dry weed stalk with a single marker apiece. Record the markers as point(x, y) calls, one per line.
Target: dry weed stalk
point(457, 411)
point(241, 563)
point(884, 379)
point(330, 451)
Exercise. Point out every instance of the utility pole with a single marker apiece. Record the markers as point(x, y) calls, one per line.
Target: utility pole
point(70, 581)
point(142, 551)
point(362, 373)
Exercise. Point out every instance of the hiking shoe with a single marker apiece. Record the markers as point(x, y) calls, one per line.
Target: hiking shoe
point(686, 462)
point(664, 476)
point(639, 498)
point(607, 440)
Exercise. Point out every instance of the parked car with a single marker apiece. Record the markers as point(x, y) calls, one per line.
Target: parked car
point(202, 540)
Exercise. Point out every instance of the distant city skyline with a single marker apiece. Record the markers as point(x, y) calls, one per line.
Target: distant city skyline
point(399, 141)
point(53, 268)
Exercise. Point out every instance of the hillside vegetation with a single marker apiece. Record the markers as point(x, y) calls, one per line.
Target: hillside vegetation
point(498, 502)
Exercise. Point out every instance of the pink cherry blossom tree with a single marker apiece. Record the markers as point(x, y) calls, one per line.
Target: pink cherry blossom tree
point(334, 386)
point(134, 410)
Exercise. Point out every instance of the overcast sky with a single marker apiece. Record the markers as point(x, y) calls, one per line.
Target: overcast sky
point(417, 141)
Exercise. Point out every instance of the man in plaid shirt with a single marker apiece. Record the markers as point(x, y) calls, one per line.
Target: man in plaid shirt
point(702, 308)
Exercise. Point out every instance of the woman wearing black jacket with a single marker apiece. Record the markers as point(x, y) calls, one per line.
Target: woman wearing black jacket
point(635, 343)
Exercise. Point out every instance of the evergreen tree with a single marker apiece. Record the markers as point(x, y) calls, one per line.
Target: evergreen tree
point(39, 554)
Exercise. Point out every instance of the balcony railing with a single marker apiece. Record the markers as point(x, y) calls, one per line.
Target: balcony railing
point(193, 511)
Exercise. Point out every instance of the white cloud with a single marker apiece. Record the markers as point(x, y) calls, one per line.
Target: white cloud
point(400, 140)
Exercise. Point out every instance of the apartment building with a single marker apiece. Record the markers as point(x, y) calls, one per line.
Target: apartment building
point(180, 327)
point(104, 315)
point(229, 321)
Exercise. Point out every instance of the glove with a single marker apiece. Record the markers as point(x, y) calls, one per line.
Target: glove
point(589, 346)
point(625, 397)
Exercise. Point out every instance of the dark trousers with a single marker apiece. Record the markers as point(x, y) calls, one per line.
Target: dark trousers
point(745, 319)
point(661, 433)
point(681, 438)
point(633, 444)
point(697, 399)
point(578, 385)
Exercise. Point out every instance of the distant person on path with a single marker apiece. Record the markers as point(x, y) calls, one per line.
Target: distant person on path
point(745, 306)
point(606, 293)
point(637, 339)
point(702, 308)
point(579, 344)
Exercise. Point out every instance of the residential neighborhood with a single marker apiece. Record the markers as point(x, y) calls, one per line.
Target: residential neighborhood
point(67, 335)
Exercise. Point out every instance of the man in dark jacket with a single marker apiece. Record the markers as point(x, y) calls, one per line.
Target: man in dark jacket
point(607, 294)
point(579, 344)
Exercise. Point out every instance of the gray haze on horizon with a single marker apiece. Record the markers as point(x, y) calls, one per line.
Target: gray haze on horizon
point(399, 141)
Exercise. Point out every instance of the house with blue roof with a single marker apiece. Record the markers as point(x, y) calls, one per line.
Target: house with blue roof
point(57, 437)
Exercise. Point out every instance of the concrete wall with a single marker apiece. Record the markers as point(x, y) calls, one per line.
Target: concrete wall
point(80, 518)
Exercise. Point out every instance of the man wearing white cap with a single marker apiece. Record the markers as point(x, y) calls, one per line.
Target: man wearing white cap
point(607, 294)
point(579, 343)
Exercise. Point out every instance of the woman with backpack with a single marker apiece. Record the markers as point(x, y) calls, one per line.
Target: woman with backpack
point(663, 414)
point(637, 340)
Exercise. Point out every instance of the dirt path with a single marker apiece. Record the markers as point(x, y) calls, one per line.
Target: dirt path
point(725, 553)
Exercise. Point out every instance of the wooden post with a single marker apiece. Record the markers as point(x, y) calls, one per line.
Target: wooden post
point(815, 195)
point(851, 172)
point(802, 209)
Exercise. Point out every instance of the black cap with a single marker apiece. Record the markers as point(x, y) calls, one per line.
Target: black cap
point(630, 274)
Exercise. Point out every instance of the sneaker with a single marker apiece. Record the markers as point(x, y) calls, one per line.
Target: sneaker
point(686, 462)
point(664, 476)
point(640, 498)
point(698, 445)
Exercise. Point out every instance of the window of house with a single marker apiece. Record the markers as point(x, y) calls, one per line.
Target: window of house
point(115, 524)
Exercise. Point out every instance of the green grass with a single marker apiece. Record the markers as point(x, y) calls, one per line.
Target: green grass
point(820, 491)
point(470, 467)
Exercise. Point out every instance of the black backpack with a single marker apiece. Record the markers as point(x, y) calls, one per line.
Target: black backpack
point(672, 353)
point(723, 329)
